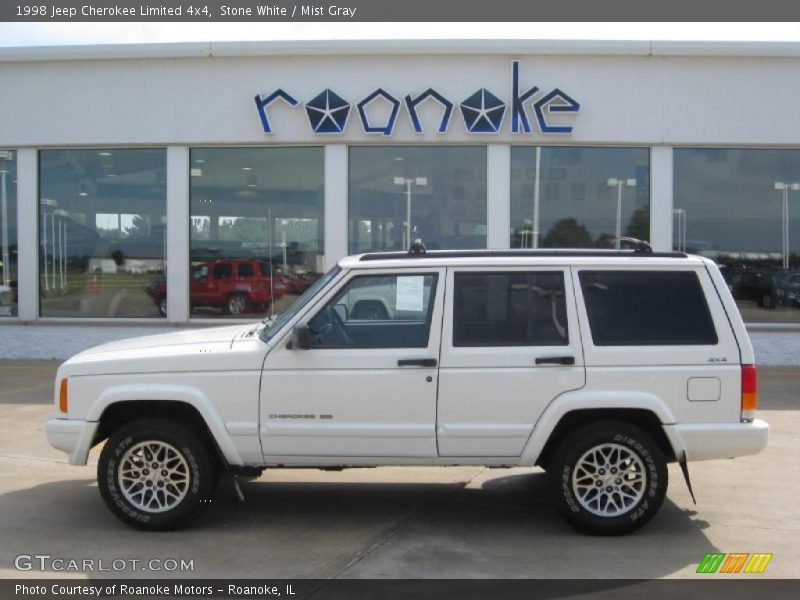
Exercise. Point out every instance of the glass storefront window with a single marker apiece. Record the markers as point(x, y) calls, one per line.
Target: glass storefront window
point(256, 228)
point(577, 197)
point(102, 232)
point(441, 188)
point(8, 233)
point(741, 208)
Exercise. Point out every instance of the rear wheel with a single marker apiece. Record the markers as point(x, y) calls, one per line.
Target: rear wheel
point(767, 301)
point(237, 304)
point(608, 478)
point(156, 474)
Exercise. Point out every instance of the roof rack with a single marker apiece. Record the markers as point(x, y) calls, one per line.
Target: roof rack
point(546, 252)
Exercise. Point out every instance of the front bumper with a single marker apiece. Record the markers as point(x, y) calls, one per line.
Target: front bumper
point(72, 436)
point(706, 441)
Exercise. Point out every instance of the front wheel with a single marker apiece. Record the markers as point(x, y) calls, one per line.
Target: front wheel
point(156, 474)
point(608, 478)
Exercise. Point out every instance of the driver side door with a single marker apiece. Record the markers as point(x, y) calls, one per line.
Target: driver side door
point(366, 388)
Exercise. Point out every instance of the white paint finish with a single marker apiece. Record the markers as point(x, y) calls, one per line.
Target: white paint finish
point(335, 210)
point(490, 397)
point(703, 389)
point(28, 239)
point(727, 440)
point(629, 99)
point(178, 207)
point(661, 202)
point(375, 405)
point(498, 194)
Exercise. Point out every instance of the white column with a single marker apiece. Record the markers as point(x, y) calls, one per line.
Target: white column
point(661, 201)
point(498, 196)
point(28, 234)
point(335, 203)
point(177, 234)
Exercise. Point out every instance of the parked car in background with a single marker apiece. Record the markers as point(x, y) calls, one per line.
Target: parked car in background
point(237, 286)
point(790, 285)
point(763, 286)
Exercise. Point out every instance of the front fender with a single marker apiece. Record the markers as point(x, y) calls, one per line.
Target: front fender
point(587, 400)
point(177, 393)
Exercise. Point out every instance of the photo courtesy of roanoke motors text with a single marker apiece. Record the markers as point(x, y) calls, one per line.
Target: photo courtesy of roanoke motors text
point(307, 300)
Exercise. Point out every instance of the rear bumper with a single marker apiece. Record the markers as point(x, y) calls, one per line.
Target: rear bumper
point(72, 436)
point(706, 441)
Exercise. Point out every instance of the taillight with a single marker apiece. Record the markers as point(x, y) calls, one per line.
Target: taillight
point(749, 392)
point(62, 396)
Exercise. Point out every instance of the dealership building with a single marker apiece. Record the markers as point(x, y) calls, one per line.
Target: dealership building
point(153, 183)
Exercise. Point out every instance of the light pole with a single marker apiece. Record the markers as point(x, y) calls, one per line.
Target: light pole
point(784, 188)
point(408, 182)
point(681, 214)
point(283, 245)
point(5, 156)
point(619, 183)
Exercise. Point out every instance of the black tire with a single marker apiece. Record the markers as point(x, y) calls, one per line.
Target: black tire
point(162, 306)
point(199, 465)
point(767, 301)
point(564, 473)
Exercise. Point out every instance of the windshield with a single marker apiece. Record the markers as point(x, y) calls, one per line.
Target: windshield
point(277, 324)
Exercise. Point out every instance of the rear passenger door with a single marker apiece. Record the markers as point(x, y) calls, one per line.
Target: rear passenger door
point(510, 345)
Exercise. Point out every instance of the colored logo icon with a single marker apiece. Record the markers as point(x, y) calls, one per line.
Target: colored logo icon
point(328, 112)
point(734, 562)
point(483, 112)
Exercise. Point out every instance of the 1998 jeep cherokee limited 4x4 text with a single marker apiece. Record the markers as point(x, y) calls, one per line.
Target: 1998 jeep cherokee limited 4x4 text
point(599, 366)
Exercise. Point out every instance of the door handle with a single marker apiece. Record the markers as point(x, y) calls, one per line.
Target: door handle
point(555, 360)
point(417, 362)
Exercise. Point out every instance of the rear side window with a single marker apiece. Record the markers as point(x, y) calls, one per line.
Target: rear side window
point(245, 270)
point(509, 309)
point(647, 308)
point(222, 271)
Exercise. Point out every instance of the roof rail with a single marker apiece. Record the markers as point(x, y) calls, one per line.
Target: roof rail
point(545, 252)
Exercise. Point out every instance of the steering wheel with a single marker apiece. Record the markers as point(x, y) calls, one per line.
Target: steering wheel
point(330, 329)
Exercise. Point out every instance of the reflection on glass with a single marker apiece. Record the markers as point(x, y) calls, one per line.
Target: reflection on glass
point(8, 233)
point(436, 194)
point(741, 208)
point(256, 228)
point(575, 197)
point(102, 230)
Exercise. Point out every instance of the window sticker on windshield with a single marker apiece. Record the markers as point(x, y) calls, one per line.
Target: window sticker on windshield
point(410, 292)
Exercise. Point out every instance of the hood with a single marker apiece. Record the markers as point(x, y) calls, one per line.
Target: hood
point(203, 350)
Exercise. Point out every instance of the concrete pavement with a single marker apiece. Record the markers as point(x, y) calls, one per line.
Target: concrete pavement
point(396, 522)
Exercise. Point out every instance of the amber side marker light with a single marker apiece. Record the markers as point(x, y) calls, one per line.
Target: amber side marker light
point(749, 392)
point(62, 396)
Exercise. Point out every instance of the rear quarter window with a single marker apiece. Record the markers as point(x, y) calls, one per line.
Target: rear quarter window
point(647, 308)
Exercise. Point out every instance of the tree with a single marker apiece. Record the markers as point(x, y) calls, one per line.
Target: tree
point(568, 233)
point(639, 224)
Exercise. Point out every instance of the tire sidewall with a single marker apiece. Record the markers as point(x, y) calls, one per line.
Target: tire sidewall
point(634, 440)
point(202, 475)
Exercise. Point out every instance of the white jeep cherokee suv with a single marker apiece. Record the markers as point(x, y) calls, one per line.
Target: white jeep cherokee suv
point(599, 366)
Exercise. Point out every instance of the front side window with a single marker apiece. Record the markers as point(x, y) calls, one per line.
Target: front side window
point(646, 308)
point(509, 309)
point(377, 311)
point(102, 232)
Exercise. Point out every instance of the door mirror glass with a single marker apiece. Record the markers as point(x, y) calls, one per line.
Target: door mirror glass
point(341, 310)
point(301, 338)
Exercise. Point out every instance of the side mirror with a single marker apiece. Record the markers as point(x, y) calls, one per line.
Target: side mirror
point(301, 338)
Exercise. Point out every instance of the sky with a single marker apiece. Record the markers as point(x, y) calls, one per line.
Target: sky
point(55, 34)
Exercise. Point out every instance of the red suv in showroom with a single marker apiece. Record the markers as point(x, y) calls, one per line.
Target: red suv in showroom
point(238, 286)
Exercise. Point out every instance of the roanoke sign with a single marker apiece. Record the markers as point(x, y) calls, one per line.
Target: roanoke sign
point(482, 112)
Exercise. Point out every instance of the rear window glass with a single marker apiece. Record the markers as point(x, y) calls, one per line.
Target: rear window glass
point(245, 270)
point(646, 308)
